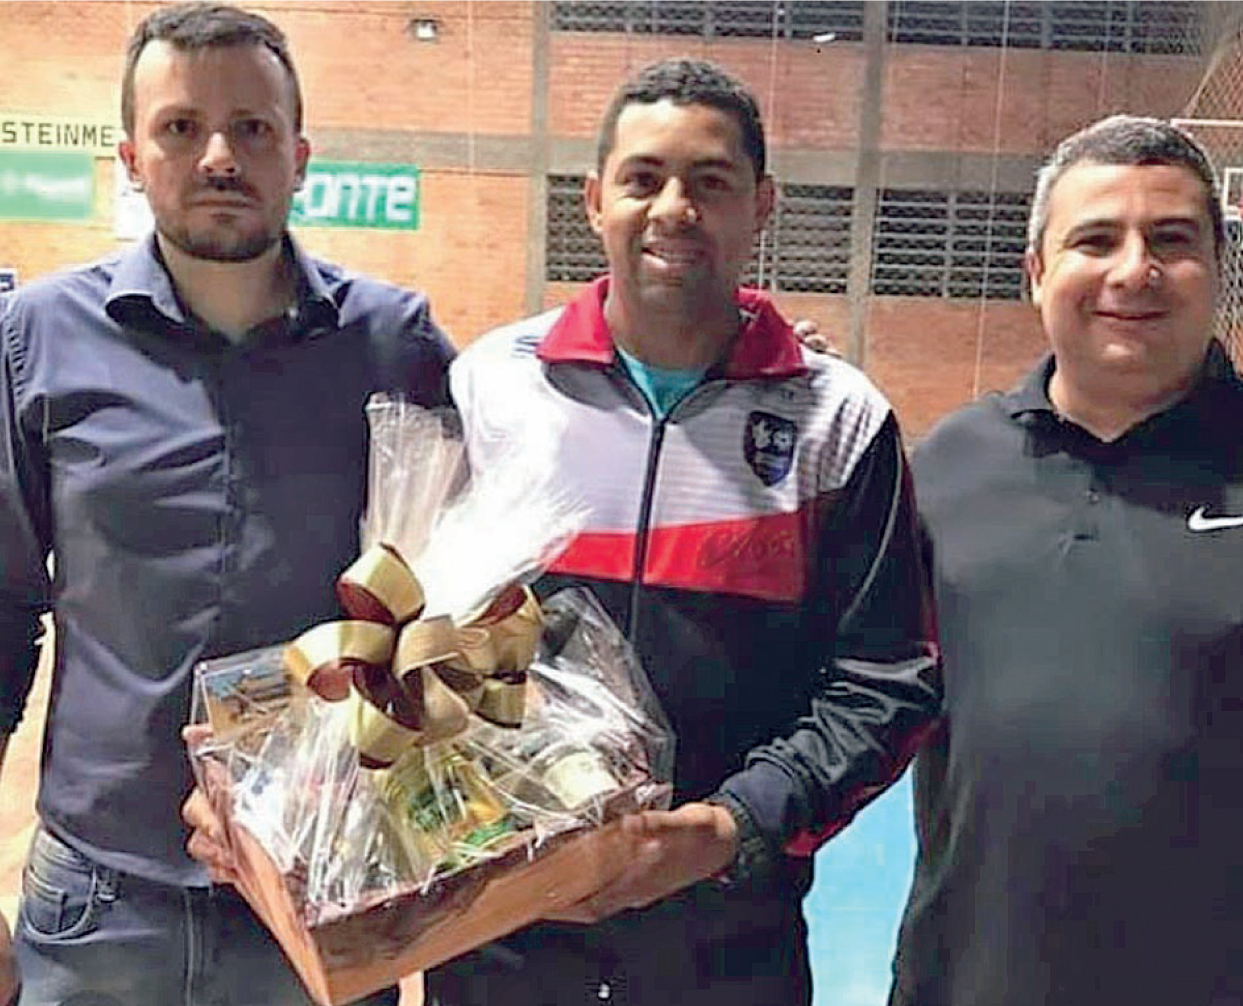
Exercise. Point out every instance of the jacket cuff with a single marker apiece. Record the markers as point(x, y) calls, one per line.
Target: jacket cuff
point(753, 864)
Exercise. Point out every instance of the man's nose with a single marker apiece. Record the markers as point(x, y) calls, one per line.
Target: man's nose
point(1134, 264)
point(674, 205)
point(218, 156)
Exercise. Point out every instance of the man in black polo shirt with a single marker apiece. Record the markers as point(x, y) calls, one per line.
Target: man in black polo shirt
point(1080, 812)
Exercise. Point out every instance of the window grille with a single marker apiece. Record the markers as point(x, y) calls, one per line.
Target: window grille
point(810, 239)
point(1131, 26)
point(572, 252)
point(950, 244)
point(722, 19)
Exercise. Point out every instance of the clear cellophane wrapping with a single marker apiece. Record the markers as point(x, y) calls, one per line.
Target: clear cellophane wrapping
point(592, 744)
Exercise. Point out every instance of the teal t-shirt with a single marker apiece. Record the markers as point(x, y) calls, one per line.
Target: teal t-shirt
point(661, 386)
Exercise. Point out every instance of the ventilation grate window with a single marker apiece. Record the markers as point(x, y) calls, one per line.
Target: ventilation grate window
point(722, 19)
point(950, 244)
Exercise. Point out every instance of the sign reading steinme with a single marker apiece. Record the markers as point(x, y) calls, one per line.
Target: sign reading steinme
point(340, 194)
point(44, 132)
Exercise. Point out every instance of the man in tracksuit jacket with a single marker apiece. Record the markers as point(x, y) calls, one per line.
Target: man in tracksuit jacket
point(750, 530)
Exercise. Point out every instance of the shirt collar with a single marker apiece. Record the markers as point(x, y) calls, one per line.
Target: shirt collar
point(1030, 399)
point(766, 346)
point(1032, 393)
point(141, 286)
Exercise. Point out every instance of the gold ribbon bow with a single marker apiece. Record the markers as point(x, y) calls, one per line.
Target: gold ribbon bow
point(410, 680)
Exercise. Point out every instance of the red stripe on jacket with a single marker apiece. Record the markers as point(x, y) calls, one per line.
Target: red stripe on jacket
point(762, 557)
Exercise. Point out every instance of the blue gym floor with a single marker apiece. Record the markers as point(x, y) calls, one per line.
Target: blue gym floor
point(855, 905)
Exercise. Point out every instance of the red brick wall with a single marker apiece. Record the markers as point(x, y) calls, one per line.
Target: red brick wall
point(810, 98)
point(936, 98)
point(362, 71)
point(1019, 101)
point(361, 68)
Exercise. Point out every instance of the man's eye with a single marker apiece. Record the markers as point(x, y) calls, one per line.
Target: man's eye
point(1092, 243)
point(1173, 239)
point(640, 181)
point(714, 183)
point(179, 127)
point(251, 129)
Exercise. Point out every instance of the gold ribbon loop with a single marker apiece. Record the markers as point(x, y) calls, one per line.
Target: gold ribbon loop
point(476, 650)
point(466, 682)
point(503, 700)
point(324, 657)
point(379, 739)
point(515, 638)
point(380, 587)
point(419, 682)
point(427, 641)
point(442, 712)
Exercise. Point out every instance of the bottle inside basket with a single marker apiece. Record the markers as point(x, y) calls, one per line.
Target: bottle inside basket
point(446, 803)
point(575, 774)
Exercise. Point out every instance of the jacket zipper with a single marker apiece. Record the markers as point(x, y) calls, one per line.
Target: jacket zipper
point(646, 502)
point(644, 528)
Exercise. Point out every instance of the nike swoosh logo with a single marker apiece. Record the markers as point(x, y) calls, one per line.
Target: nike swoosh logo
point(1199, 522)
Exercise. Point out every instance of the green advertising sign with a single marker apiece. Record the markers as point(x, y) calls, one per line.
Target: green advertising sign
point(46, 185)
point(341, 194)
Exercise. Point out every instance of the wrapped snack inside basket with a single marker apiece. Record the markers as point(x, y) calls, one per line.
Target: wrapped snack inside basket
point(446, 763)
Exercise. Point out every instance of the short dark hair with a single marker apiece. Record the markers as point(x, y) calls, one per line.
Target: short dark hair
point(193, 26)
point(688, 82)
point(1129, 140)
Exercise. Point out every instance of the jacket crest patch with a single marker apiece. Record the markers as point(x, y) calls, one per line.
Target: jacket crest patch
point(768, 445)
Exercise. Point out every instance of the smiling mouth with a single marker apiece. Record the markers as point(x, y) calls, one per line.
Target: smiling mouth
point(1131, 316)
point(674, 256)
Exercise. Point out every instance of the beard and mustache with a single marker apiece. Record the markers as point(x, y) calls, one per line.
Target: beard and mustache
point(215, 242)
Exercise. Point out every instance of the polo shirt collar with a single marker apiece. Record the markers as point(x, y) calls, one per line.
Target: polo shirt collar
point(1032, 394)
point(1030, 399)
point(141, 283)
point(766, 346)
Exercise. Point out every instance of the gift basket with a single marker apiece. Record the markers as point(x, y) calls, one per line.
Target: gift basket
point(447, 762)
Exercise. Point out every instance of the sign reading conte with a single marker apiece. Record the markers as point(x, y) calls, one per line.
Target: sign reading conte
point(340, 194)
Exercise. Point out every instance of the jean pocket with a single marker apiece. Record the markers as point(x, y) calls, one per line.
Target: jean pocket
point(62, 891)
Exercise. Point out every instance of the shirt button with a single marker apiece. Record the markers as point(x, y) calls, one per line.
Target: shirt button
point(1093, 496)
point(604, 992)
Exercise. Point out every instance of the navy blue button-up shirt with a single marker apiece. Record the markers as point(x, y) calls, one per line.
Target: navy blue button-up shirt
point(198, 497)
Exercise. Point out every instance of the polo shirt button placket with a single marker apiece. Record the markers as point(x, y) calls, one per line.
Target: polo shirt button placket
point(1085, 525)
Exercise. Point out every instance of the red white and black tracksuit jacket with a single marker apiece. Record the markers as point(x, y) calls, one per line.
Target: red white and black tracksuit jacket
point(758, 546)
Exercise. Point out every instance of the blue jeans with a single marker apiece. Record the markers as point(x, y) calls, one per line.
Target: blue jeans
point(89, 936)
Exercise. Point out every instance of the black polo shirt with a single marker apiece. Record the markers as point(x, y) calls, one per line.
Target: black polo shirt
point(1080, 814)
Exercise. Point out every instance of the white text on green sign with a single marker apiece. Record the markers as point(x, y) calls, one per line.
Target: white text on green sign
point(46, 185)
point(339, 194)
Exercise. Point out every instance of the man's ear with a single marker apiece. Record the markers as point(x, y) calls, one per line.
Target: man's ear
point(1034, 267)
point(765, 200)
point(125, 151)
point(591, 200)
point(302, 154)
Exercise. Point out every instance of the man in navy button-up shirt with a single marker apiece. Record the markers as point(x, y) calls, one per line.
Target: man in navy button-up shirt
point(182, 430)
